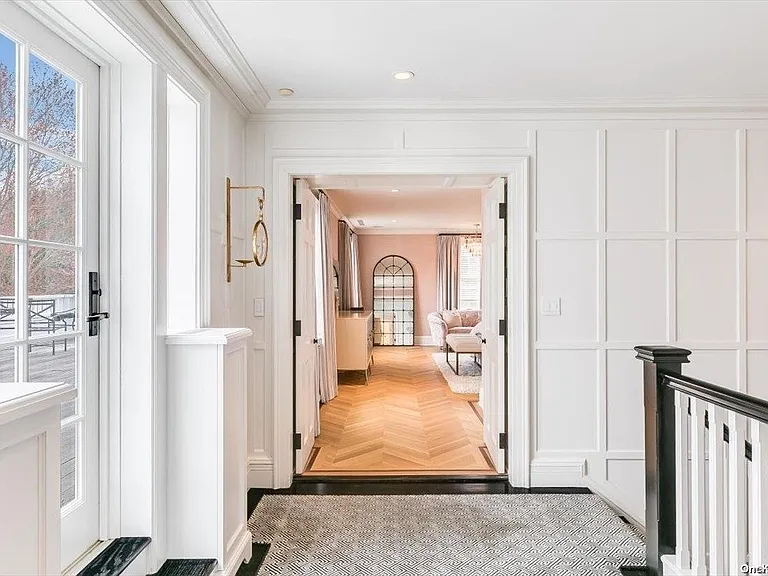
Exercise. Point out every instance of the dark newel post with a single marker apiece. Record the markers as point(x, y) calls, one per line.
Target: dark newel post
point(659, 403)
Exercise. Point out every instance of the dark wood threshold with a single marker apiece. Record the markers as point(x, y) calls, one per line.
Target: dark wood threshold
point(116, 557)
point(187, 567)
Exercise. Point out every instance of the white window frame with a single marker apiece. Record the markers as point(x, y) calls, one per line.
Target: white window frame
point(462, 248)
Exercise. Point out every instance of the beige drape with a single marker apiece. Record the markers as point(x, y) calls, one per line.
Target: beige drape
point(328, 377)
point(448, 272)
point(349, 269)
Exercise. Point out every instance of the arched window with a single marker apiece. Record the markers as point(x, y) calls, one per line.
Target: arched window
point(393, 302)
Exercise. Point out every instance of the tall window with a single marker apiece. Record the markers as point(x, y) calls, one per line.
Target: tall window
point(183, 176)
point(470, 273)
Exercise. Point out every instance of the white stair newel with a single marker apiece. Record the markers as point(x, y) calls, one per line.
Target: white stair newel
point(682, 527)
point(698, 493)
point(758, 500)
point(716, 499)
point(737, 496)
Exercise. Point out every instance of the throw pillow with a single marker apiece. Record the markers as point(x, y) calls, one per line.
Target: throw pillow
point(452, 319)
point(477, 329)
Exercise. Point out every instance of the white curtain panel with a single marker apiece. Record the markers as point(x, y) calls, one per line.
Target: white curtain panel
point(328, 381)
point(349, 269)
point(448, 272)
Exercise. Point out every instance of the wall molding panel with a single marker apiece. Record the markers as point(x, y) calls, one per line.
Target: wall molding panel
point(628, 260)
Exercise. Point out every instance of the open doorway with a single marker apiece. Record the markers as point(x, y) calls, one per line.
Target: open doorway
point(400, 318)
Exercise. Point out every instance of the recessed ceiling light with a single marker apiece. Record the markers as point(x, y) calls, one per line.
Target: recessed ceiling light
point(394, 221)
point(285, 92)
point(404, 75)
point(395, 190)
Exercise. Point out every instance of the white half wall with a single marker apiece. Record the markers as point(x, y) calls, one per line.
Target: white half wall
point(650, 228)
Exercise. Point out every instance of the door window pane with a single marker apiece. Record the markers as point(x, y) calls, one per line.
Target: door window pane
point(52, 107)
point(54, 361)
point(7, 84)
point(7, 292)
point(8, 154)
point(69, 444)
point(7, 364)
point(52, 307)
point(52, 199)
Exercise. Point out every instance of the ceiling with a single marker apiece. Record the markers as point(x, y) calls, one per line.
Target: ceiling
point(478, 51)
point(427, 204)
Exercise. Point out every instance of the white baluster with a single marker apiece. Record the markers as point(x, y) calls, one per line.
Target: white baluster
point(716, 499)
point(737, 497)
point(758, 501)
point(682, 554)
point(698, 493)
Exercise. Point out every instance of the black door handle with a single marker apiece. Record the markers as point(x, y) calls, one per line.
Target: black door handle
point(97, 317)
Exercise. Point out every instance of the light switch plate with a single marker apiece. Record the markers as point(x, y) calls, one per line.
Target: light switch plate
point(258, 307)
point(550, 307)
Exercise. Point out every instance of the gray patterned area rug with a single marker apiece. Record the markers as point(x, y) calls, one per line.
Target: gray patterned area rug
point(443, 535)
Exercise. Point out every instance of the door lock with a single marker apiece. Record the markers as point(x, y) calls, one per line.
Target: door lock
point(94, 303)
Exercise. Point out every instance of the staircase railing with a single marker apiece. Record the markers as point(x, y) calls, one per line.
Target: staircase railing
point(706, 473)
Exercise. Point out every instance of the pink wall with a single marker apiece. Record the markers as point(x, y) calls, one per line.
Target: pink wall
point(421, 251)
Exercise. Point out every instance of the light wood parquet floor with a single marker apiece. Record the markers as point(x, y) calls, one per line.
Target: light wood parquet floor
point(406, 421)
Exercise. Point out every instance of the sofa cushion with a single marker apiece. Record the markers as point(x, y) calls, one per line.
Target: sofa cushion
point(460, 330)
point(470, 317)
point(452, 319)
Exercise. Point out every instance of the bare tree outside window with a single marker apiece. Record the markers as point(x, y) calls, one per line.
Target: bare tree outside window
point(52, 183)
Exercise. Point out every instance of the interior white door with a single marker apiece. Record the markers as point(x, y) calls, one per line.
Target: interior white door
point(49, 240)
point(307, 400)
point(493, 310)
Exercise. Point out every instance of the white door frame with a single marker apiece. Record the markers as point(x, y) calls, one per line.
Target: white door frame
point(516, 169)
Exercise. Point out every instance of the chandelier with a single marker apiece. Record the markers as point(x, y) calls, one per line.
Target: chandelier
point(474, 243)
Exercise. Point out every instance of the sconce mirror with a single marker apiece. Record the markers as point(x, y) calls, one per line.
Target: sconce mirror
point(260, 243)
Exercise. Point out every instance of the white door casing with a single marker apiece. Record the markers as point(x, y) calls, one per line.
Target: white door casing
point(281, 175)
point(493, 311)
point(56, 245)
point(306, 343)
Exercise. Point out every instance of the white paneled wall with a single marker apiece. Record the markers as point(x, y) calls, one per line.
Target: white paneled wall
point(648, 231)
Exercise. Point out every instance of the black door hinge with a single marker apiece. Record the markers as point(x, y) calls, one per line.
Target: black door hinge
point(297, 327)
point(502, 210)
point(503, 327)
point(503, 440)
point(297, 441)
point(297, 211)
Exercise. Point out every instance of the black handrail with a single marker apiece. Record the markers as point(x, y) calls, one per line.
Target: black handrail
point(732, 400)
point(662, 376)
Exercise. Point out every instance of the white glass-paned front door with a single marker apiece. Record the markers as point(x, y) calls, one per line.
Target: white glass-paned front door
point(49, 242)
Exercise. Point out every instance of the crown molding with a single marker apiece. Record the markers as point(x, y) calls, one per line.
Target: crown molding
point(697, 104)
point(197, 28)
point(304, 110)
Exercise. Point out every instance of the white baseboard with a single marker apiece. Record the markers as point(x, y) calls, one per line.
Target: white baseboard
point(260, 471)
point(546, 472)
point(422, 340)
point(614, 498)
point(670, 568)
point(241, 552)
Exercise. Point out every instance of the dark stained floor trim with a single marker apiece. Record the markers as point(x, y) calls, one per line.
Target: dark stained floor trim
point(416, 485)
point(191, 567)
point(116, 557)
point(259, 552)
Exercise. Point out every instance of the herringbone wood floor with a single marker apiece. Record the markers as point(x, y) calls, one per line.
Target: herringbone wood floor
point(405, 421)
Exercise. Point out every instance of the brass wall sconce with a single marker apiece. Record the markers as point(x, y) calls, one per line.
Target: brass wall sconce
point(259, 240)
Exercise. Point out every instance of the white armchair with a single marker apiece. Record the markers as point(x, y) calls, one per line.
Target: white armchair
point(461, 322)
